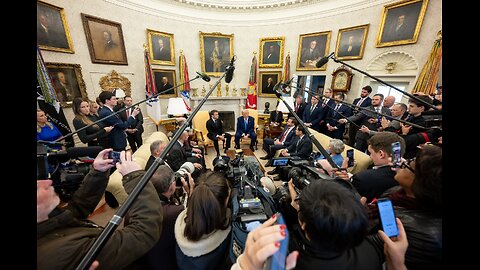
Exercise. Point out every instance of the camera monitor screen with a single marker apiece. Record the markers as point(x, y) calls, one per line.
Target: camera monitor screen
point(280, 161)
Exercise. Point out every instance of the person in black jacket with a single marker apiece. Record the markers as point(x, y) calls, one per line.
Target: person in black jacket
point(216, 132)
point(135, 130)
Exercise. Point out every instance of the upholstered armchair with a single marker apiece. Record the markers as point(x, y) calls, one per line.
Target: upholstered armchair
point(200, 128)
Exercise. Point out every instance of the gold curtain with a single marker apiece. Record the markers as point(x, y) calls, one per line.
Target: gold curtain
point(427, 80)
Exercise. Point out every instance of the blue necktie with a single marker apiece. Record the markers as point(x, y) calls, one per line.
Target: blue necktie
point(246, 123)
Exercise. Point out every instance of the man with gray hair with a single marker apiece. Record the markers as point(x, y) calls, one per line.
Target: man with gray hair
point(156, 148)
point(335, 149)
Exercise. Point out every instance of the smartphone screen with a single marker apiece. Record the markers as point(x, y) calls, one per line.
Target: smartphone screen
point(387, 217)
point(396, 154)
point(115, 156)
point(350, 157)
point(278, 259)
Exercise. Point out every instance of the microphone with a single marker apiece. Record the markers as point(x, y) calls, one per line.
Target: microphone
point(74, 152)
point(204, 76)
point(323, 61)
point(230, 68)
point(287, 83)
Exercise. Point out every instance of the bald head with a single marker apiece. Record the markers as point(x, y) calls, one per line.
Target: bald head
point(389, 101)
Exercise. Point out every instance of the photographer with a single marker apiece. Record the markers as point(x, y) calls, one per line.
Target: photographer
point(64, 235)
point(332, 229)
point(162, 255)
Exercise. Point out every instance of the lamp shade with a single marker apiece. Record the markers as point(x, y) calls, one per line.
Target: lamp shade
point(119, 93)
point(281, 106)
point(176, 106)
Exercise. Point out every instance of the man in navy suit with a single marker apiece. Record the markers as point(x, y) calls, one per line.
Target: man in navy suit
point(313, 114)
point(116, 138)
point(327, 104)
point(335, 129)
point(299, 106)
point(363, 101)
point(245, 129)
point(283, 141)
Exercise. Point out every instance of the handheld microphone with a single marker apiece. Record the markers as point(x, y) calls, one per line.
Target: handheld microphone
point(230, 68)
point(323, 61)
point(204, 76)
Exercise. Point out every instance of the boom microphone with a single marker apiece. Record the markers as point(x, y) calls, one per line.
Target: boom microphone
point(230, 68)
point(74, 152)
point(204, 76)
point(323, 61)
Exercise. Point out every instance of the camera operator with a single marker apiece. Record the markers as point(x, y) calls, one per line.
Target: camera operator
point(332, 229)
point(162, 255)
point(64, 235)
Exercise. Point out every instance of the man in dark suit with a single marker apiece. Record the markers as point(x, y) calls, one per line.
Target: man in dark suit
point(161, 52)
point(368, 119)
point(178, 155)
point(276, 117)
point(215, 132)
point(300, 147)
point(352, 48)
point(398, 30)
point(335, 129)
point(283, 141)
point(116, 137)
point(245, 129)
point(135, 130)
point(373, 182)
point(327, 104)
point(363, 101)
point(298, 106)
point(313, 114)
point(271, 55)
point(50, 35)
point(156, 148)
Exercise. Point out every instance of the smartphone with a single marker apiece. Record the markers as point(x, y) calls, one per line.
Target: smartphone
point(350, 158)
point(278, 259)
point(387, 217)
point(396, 154)
point(115, 156)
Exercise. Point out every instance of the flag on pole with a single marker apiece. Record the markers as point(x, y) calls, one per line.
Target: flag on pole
point(252, 85)
point(48, 90)
point(286, 76)
point(184, 79)
point(428, 78)
point(153, 104)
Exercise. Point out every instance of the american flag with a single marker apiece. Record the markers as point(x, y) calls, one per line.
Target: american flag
point(252, 85)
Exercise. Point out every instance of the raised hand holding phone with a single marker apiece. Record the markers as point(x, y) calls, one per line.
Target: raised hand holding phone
point(387, 217)
point(396, 154)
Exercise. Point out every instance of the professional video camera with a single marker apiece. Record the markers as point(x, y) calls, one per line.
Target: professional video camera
point(66, 168)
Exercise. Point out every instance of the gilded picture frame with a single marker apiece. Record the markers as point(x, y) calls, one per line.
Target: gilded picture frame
point(351, 42)
point(401, 23)
point(266, 89)
point(216, 50)
point(160, 84)
point(68, 82)
point(271, 52)
point(162, 49)
point(105, 40)
point(52, 29)
point(311, 48)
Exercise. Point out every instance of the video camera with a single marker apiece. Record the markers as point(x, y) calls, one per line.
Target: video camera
point(66, 168)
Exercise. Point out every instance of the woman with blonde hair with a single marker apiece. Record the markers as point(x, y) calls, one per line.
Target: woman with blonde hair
point(46, 131)
point(93, 135)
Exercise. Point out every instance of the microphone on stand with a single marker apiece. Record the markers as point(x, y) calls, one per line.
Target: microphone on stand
point(204, 76)
point(230, 68)
point(323, 61)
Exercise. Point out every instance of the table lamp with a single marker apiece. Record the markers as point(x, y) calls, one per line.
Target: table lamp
point(281, 106)
point(176, 107)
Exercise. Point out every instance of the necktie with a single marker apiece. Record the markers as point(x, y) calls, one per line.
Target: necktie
point(246, 123)
point(128, 113)
point(311, 109)
point(337, 107)
point(296, 108)
point(284, 135)
point(297, 144)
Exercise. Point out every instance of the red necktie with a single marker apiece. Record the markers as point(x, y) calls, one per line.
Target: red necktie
point(284, 135)
point(296, 108)
point(128, 113)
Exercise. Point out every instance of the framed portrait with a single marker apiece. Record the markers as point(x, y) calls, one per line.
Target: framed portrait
point(162, 51)
point(311, 48)
point(68, 82)
point(216, 50)
point(268, 79)
point(271, 52)
point(165, 79)
point(52, 29)
point(351, 42)
point(105, 40)
point(401, 23)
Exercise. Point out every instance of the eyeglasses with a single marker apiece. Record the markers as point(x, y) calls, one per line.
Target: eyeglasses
point(406, 164)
